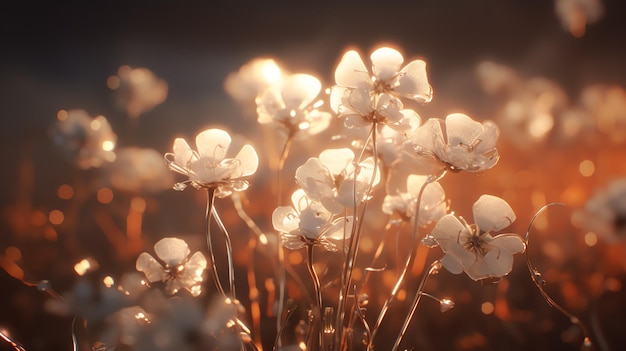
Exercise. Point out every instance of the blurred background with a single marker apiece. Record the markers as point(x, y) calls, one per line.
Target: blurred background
point(552, 81)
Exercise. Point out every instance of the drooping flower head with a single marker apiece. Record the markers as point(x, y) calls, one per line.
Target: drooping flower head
point(474, 249)
point(181, 271)
point(461, 143)
point(308, 222)
point(330, 179)
point(432, 202)
point(363, 97)
point(290, 103)
point(208, 167)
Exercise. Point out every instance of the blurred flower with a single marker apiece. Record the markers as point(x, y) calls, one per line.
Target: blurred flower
point(466, 145)
point(432, 202)
point(363, 98)
point(472, 248)
point(139, 89)
point(607, 107)
point(330, 179)
point(180, 271)
point(208, 167)
point(575, 15)
point(289, 104)
point(605, 212)
point(390, 140)
point(136, 169)
point(252, 78)
point(89, 142)
point(125, 327)
point(308, 222)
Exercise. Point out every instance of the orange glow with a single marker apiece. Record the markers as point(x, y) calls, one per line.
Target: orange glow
point(56, 217)
point(586, 168)
point(295, 258)
point(62, 115)
point(591, 239)
point(487, 308)
point(65, 192)
point(113, 82)
point(105, 196)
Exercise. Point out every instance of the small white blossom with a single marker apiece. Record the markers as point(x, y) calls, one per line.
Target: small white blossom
point(181, 271)
point(208, 167)
point(291, 104)
point(139, 89)
point(330, 179)
point(308, 222)
point(461, 143)
point(432, 201)
point(472, 248)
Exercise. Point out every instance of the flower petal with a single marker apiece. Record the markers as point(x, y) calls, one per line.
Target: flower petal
point(336, 160)
point(299, 90)
point(451, 264)
point(492, 213)
point(498, 262)
point(248, 162)
point(213, 143)
point(447, 231)
point(315, 179)
point(183, 154)
point(413, 83)
point(172, 251)
point(351, 70)
point(511, 243)
point(150, 267)
point(462, 129)
point(285, 219)
point(386, 63)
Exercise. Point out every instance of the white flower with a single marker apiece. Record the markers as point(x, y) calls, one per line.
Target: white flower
point(473, 248)
point(138, 169)
point(89, 142)
point(364, 98)
point(252, 78)
point(575, 15)
point(208, 167)
point(181, 271)
point(330, 179)
point(139, 89)
point(290, 104)
point(308, 222)
point(605, 212)
point(462, 145)
point(432, 202)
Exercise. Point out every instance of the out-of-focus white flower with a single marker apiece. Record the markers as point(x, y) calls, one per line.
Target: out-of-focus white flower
point(137, 169)
point(139, 89)
point(181, 271)
point(432, 201)
point(330, 179)
point(461, 143)
point(89, 142)
point(252, 78)
point(308, 222)
point(605, 212)
point(208, 167)
point(473, 248)
point(575, 15)
point(290, 104)
point(606, 105)
point(363, 98)
point(390, 140)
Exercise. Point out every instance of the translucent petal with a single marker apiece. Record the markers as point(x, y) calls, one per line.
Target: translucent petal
point(511, 243)
point(488, 138)
point(314, 220)
point(492, 213)
point(447, 231)
point(285, 219)
point(150, 267)
point(213, 143)
point(183, 155)
point(499, 262)
point(451, 264)
point(299, 90)
point(413, 82)
point(191, 276)
point(361, 100)
point(172, 251)
point(351, 70)
point(386, 63)
point(248, 161)
point(318, 121)
point(338, 96)
point(339, 227)
point(461, 129)
point(315, 179)
point(336, 160)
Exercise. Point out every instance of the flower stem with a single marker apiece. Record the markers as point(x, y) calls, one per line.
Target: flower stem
point(208, 214)
point(407, 263)
point(537, 279)
point(318, 293)
point(434, 268)
point(229, 254)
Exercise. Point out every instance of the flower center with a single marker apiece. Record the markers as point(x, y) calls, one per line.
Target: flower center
point(173, 272)
point(476, 242)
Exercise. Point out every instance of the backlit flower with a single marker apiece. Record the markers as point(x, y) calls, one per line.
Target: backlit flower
point(139, 89)
point(432, 202)
point(461, 143)
point(208, 167)
point(290, 104)
point(181, 271)
point(363, 97)
point(308, 222)
point(330, 179)
point(138, 169)
point(474, 249)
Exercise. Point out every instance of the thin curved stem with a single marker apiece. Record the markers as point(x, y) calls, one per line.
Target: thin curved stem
point(281, 274)
point(207, 216)
point(434, 268)
point(539, 282)
point(317, 290)
point(229, 254)
point(407, 263)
